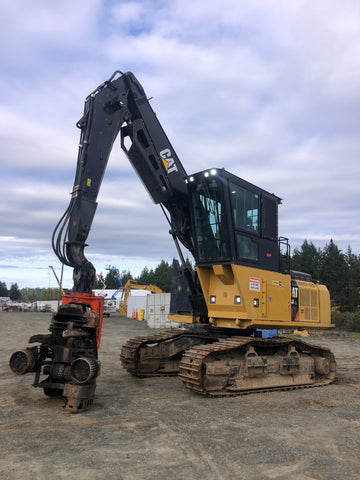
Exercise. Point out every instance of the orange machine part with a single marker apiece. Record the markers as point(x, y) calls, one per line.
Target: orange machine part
point(96, 303)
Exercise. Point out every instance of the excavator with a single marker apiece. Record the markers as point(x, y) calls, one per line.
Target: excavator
point(133, 285)
point(241, 282)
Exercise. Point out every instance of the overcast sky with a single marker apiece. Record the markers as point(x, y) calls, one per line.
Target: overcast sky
point(268, 90)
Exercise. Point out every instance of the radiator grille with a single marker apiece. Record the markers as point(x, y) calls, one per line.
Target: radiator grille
point(309, 304)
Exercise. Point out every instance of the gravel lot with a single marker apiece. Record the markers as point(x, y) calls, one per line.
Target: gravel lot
point(153, 429)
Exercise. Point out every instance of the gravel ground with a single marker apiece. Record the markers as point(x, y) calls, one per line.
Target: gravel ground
point(153, 429)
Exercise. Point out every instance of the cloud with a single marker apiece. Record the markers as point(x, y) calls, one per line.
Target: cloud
point(268, 91)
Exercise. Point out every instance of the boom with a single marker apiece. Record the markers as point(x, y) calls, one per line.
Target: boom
point(119, 105)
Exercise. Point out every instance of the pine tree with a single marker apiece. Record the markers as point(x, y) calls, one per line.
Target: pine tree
point(14, 292)
point(147, 276)
point(163, 274)
point(334, 273)
point(112, 279)
point(307, 259)
point(125, 276)
point(3, 290)
point(353, 287)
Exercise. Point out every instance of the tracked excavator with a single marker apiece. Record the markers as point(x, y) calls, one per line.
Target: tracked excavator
point(242, 279)
point(133, 285)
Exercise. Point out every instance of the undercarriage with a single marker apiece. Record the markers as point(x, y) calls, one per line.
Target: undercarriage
point(217, 366)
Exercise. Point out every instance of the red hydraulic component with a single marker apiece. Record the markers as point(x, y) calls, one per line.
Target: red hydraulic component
point(96, 303)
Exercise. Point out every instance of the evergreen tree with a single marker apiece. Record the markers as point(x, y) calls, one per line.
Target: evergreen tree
point(162, 275)
point(307, 259)
point(353, 287)
point(14, 292)
point(125, 276)
point(334, 274)
point(112, 279)
point(3, 290)
point(147, 276)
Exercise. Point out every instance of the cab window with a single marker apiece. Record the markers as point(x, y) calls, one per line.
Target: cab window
point(209, 220)
point(245, 207)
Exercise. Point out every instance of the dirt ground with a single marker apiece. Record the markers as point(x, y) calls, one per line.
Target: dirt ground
point(153, 429)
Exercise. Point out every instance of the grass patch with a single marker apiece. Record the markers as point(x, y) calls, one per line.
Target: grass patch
point(348, 321)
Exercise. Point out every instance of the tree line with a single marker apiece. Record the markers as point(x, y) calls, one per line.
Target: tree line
point(159, 276)
point(28, 295)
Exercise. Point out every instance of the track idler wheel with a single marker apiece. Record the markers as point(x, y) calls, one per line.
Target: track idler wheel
point(322, 365)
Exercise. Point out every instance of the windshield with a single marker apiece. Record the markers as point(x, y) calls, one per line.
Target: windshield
point(209, 219)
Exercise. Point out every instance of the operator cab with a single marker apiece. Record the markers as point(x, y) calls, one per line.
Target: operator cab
point(233, 221)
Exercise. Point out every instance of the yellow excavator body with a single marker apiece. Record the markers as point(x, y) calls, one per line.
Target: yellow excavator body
point(244, 297)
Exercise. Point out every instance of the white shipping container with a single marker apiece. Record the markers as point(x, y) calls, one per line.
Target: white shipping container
point(157, 311)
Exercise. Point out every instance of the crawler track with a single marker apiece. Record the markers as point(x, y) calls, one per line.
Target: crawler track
point(231, 366)
point(159, 355)
point(241, 365)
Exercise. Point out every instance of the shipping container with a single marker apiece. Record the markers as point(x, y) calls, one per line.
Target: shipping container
point(157, 311)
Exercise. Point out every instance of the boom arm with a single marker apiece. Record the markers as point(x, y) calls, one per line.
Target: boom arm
point(119, 105)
